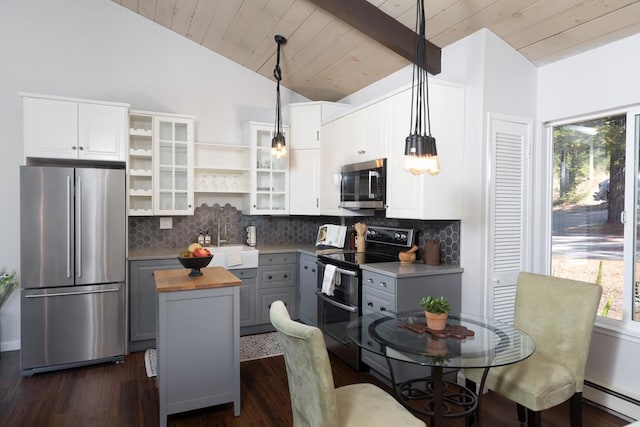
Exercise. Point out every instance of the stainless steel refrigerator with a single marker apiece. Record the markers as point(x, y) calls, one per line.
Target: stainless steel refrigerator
point(72, 256)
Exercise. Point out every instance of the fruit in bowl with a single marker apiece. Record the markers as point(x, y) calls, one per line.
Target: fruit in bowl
point(195, 258)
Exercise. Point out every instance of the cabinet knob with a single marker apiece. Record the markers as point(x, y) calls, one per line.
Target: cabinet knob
point(73, 147)
point(383, 284)
point(313, 270)
point(286, 276)
point(383, 309)
point(361, 151)
point(269, 277)
point(306, 268)
point(370, 280)
point(317, 135)
point(370, 304)
point(81, 148)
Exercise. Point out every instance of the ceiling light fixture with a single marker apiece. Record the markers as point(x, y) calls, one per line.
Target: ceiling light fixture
point(278, 145)
point(420, 153)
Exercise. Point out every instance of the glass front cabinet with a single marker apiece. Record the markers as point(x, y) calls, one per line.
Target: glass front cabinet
point(173, 167)
point(269, 177)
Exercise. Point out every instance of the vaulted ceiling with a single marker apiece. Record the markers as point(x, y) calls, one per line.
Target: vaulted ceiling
point(326, 59)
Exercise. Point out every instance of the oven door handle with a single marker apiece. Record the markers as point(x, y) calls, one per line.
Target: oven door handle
point(341, 270)
point(336, 303)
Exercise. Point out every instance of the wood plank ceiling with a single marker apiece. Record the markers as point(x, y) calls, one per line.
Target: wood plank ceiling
point(326, 59)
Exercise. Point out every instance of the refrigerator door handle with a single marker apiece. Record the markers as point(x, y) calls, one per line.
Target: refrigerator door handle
point(79, 227)
point(64, 294)
point(69, 226)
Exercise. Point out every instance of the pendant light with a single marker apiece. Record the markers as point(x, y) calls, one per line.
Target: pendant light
point(278, 145)
point(420, 153)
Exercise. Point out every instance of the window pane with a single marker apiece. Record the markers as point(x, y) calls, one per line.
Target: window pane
point(588, 200)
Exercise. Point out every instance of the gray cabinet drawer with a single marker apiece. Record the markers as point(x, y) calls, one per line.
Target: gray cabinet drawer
point(245, 273)
point(379, 281)
point(375, 300)
point(275, 259)
point(271, 277)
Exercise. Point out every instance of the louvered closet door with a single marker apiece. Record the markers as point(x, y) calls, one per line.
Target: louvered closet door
point(509, 219)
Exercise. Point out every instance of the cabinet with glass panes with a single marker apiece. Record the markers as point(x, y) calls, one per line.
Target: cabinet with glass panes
point(160, 165)
point(269, 175)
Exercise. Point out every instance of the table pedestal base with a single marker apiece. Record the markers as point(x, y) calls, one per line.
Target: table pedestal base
point(436, 398)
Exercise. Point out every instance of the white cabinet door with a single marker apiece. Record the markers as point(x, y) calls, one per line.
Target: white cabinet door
point(102, 132)
point(425, 196)
point(173, 166)
point(304, 178)
point(50, 128)
point(376, 129)
point(404, 190)
point(331, 161)
point(305, 122)
point(269, 175)
point(354, 147)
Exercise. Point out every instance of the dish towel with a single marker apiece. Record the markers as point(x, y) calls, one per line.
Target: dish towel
point(328, 280)
point(234, 257)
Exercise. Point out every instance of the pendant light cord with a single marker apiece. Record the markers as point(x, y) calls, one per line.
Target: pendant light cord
point(420, 87)
point(277, 74)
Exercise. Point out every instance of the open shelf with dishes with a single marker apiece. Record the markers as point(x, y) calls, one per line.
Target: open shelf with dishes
point(221, 168)
point(140, 164)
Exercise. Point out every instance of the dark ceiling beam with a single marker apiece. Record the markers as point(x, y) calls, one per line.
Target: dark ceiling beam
point(381, 27)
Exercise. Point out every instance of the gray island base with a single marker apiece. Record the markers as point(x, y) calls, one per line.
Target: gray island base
point(198, 340)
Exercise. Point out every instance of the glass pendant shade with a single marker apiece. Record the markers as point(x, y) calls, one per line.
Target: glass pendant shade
point(420, 153)
point(278, 145)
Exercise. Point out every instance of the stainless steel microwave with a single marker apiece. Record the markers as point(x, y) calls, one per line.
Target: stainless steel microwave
point(364, 185)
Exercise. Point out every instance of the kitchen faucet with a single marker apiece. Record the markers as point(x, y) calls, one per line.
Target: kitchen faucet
point(219, 240)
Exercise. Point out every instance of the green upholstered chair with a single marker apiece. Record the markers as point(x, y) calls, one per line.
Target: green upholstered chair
point(559, 315)
point(314, 400)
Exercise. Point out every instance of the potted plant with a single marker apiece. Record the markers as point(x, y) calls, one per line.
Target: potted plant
point(8, 281)
point(436, 311)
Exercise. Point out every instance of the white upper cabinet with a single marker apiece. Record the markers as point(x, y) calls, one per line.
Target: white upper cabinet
point(269, 175)
point(425, 196)
point(304, 182)
point(305, 147)
point(65, 128)
point(366, 133)
point(331, 161)
point(173, 165)
point(306, 120)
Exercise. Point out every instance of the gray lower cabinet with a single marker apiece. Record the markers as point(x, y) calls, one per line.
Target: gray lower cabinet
point(143, 301)
point(308, 307)
point(247, 295)
point(198, 349)
point(382, 293)
point(277, 280)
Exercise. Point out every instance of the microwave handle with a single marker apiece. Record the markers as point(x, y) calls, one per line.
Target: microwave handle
point(372, 175)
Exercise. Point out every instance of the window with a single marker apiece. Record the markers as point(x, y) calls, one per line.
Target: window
point(596, 169)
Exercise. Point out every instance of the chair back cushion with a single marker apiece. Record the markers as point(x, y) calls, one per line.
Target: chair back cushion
point(559, 315)
point(311, 387)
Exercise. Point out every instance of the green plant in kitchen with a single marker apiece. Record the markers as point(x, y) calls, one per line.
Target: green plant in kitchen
point(436, 311)
point(8, 281)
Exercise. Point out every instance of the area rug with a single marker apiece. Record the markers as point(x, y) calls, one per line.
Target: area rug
point(252, 347)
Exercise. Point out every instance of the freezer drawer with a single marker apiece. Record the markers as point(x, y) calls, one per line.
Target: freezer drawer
point(71, 326)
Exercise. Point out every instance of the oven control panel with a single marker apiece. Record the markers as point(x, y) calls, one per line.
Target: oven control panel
point(403, 237)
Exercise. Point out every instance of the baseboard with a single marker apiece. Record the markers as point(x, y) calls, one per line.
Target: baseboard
point(616, 403)
point(10, 345)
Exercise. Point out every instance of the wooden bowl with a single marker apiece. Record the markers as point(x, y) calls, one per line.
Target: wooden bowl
point(407, 257)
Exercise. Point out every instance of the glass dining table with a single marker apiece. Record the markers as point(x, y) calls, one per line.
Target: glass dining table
point(468, 342)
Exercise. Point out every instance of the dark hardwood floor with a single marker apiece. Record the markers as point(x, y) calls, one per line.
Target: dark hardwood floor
point(121, 395)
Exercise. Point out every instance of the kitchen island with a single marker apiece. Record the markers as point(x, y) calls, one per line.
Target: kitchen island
point(198, 340)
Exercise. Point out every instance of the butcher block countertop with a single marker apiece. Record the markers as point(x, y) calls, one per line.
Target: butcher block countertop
point(179, 280)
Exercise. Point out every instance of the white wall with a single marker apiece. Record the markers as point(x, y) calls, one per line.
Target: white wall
point(97, 49)
point(597, 80)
